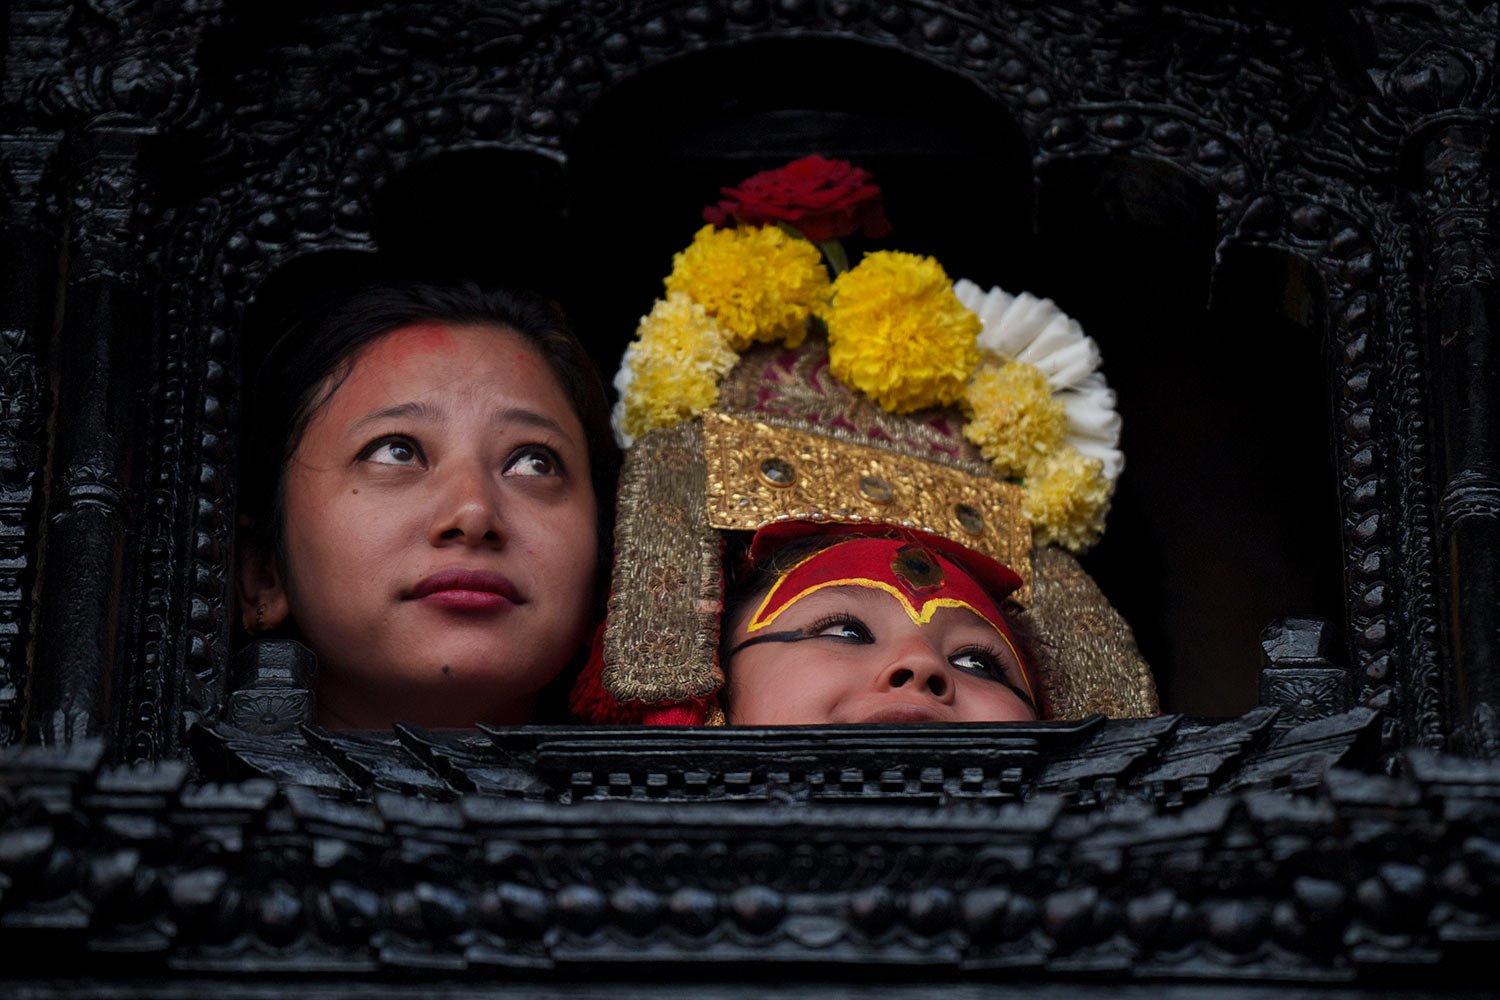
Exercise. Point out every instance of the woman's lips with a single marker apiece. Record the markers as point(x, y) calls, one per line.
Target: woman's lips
point(466, 590)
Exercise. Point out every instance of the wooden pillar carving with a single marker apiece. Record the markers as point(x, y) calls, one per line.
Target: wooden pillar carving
point(103, 320)
point(1461, 304)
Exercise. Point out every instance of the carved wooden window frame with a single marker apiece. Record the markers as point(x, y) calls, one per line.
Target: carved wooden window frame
point(315, 193)
point(1376, 182)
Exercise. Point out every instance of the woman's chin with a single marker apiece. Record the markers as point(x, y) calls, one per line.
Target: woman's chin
point(445, 692)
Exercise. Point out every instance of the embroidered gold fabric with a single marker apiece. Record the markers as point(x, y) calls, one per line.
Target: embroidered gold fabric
point(661, 642)
point(758, 474)
point(1086, 655)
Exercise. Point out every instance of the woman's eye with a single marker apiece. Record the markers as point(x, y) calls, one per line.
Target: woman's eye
point(847, 629)
point(533, 461)
point(394, 451)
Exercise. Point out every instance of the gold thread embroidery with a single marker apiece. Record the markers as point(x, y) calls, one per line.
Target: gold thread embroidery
point(661, 638)
point(1086, 656)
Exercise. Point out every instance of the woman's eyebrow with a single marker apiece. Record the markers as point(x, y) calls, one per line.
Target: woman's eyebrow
point(415, 410)
point(520, 415)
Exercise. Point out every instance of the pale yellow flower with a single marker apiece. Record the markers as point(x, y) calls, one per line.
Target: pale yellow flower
point(1067, 497)
point(671, 372)
point(1025, 328)
point(1013, 416)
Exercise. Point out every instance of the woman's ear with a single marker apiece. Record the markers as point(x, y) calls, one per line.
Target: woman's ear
point(262, 587)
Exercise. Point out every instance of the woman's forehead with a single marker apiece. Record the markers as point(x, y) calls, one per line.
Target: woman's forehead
point(435, 372)
point(413, 339)
point(435, 358)
point(415, 343)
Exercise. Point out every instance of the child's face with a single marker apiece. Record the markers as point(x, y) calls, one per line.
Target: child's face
point(853, 654)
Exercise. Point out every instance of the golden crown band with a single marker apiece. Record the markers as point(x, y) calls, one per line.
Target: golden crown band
point(759, 474)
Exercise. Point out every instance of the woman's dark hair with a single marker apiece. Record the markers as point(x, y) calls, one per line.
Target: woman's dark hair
point(312, 357)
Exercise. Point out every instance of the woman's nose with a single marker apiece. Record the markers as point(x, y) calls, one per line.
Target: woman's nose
point(917, 667)
point(468, 511)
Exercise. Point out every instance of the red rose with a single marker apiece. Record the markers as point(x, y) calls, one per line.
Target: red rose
point(822, 199)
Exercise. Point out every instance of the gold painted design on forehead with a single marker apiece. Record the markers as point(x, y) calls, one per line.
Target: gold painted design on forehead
point(829, 475)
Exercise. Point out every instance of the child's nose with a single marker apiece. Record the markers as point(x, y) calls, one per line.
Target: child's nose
point(918, 667)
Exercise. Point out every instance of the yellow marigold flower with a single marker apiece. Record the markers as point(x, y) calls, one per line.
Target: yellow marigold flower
point(1014, 418)
point(897, 333)
point(1067, 496)
point(758, 282)
point(673, 369)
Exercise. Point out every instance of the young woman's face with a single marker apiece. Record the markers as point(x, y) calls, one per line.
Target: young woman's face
point(851, 654)
point(440, 531)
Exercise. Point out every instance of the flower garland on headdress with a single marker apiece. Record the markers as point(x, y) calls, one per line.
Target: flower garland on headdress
point(899, 331)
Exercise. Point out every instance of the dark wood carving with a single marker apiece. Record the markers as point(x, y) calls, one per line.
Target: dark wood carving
point(1299, 677)
point(167, 167)
point(273, 688)
point(561, 850)
point(1168, 762)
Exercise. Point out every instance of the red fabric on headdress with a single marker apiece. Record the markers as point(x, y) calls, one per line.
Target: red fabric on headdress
point(588, 700)
point(996, 577)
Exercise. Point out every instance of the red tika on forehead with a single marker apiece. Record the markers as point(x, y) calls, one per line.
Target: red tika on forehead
point(921, 579)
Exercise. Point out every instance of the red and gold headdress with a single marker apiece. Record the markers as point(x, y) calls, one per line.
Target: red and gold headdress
point(762, 392)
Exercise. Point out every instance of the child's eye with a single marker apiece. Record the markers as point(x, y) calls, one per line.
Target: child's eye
point(978, 661)
point(393, 449)
point(990, 664)
point(844, 627)
point(533, 460)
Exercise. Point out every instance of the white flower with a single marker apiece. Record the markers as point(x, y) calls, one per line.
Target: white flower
point(623, 379)
point(1025, 328)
